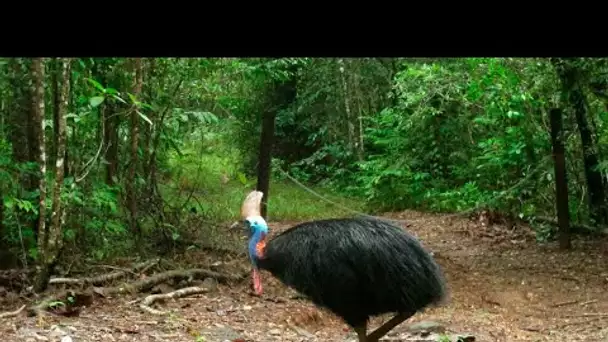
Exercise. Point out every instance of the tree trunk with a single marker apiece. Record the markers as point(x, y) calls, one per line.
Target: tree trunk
point(54, 242)
point(150, 75)
point(561, 181)
point(282, 94)
point(37, 119)
point(55, 70)
point(110, 124)
point(573, 92)
point(265, 156)
point(110, 136)
point(130, 183)
point(352, 142)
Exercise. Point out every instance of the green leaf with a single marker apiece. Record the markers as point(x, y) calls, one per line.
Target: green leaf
point(132, 97)
point(9, 203)
point(33, 253)
point(118, 98)
point(96, 101)
point(242, 178)
point(145, 118)
point(96, 84)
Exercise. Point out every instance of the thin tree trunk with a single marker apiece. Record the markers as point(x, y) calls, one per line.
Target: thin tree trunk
point(110, 137)
point(55, 233)
point(150, 74)
point(571, 87)
point(561, 182)
point(37, 73)
point(360, 111)
point(282, 94)
point(265, 156)
point(131, 196)
point(152, 166)
point(352, 144)
point(55, 70)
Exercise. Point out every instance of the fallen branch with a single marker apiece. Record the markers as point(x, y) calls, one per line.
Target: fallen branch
point(148, 283)
point(569, 302)
point(12, 313)
point(588, 302)
point(151, 299)
point(104, 278)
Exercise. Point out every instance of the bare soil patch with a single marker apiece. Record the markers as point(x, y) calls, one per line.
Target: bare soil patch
point(503, 287)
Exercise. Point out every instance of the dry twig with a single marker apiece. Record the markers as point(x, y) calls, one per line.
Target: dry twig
point(148, 283)
point(187, 291)
point(568, 302)
point(12, 313)
point(104, 278)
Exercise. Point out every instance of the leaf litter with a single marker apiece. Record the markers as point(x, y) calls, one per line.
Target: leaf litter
point(503, 285)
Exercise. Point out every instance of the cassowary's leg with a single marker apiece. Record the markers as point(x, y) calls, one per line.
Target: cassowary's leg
point(361, 332)
point(388, 326)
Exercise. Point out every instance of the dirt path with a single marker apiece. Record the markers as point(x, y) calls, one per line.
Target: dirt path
point(504, 287)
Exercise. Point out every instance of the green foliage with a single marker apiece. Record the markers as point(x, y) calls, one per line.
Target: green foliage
point(211, 181)
point(433, 134)
point(452, 135)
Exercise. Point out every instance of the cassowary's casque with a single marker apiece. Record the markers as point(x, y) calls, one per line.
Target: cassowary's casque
point(355, 267)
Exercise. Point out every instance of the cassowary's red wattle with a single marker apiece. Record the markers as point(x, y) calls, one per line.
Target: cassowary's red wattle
point(257, 282)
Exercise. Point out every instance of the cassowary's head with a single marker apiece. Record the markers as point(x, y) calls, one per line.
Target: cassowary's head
point(255, 223)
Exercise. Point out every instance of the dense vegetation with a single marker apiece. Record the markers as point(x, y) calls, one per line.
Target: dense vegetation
point(154, 154)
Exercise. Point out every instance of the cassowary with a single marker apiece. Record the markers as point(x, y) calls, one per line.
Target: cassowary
point(355, 267)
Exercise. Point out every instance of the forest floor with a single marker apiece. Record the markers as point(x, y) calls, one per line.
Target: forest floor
point(503, 287)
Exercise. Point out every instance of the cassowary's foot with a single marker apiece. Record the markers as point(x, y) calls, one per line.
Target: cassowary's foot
point(385, 328)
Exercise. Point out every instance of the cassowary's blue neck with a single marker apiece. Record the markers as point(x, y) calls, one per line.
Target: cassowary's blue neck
point(256, 246)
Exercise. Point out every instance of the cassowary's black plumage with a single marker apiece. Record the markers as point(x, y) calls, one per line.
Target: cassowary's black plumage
point(355, 267)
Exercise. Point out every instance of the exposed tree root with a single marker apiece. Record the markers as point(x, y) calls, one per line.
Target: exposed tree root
point(12, 313)
point(146, 284)
point(104, 278)
point(187, 291)
point(70, 302)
